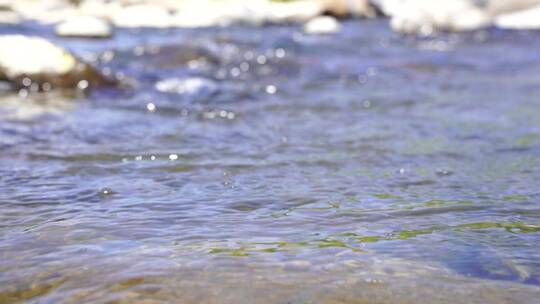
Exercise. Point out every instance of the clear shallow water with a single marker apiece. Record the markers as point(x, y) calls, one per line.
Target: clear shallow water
point(275, 167)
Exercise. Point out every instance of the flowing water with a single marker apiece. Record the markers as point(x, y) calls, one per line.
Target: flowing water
point(261, 165)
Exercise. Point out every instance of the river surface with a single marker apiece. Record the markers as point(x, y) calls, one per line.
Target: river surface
point(262, 165)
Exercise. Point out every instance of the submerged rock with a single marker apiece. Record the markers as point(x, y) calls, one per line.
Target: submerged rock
point(51, 66)
point(322, 25)
point(526, 19)
point(84, 26)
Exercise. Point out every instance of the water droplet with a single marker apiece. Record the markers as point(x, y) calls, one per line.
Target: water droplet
point(271, 89)
point(248, 55)
point(362, 79)
point(138, 50)
point(83, 85)
point(372, 71)
point(261, 59)
point(235, 72)
point(23, 93)
point(105, 191)
point(107, 56)
point(151, 107)
point(34, 87)
point(280, 53)
point(120, 76)
point(46, 87)
point(444, 172)
point(106, 71)
point(244, 66)
point(26, 81)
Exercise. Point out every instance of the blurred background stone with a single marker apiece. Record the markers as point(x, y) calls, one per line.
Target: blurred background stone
point(84, 26)
point(21, 65)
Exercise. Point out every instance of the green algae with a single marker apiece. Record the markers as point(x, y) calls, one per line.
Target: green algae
point(386, 196)
point(328, 242)
point(515, 197)
point(31, 292)
point(512, 227)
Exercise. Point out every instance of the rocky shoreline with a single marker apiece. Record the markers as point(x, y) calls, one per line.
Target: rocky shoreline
point(97, 19)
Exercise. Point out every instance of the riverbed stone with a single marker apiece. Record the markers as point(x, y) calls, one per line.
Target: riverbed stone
point(22, 66)
point(84, 26)
point(322, 25)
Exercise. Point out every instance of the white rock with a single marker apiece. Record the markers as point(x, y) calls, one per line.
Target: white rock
point(527, 19)
point(498, 7)
point(342, 8)
point(195, 14)
point(297, 11)
point(322, 25)
point(32, 55)
point(142, 15)
point(9, 17)
point(84, 26)
point(40, 61)
point(426, 16)
point(100, 8)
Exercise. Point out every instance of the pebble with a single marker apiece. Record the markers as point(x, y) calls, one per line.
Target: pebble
point(322, 25)
point(84, 26)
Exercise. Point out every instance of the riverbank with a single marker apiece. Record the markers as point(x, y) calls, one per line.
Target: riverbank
point(409, 16)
